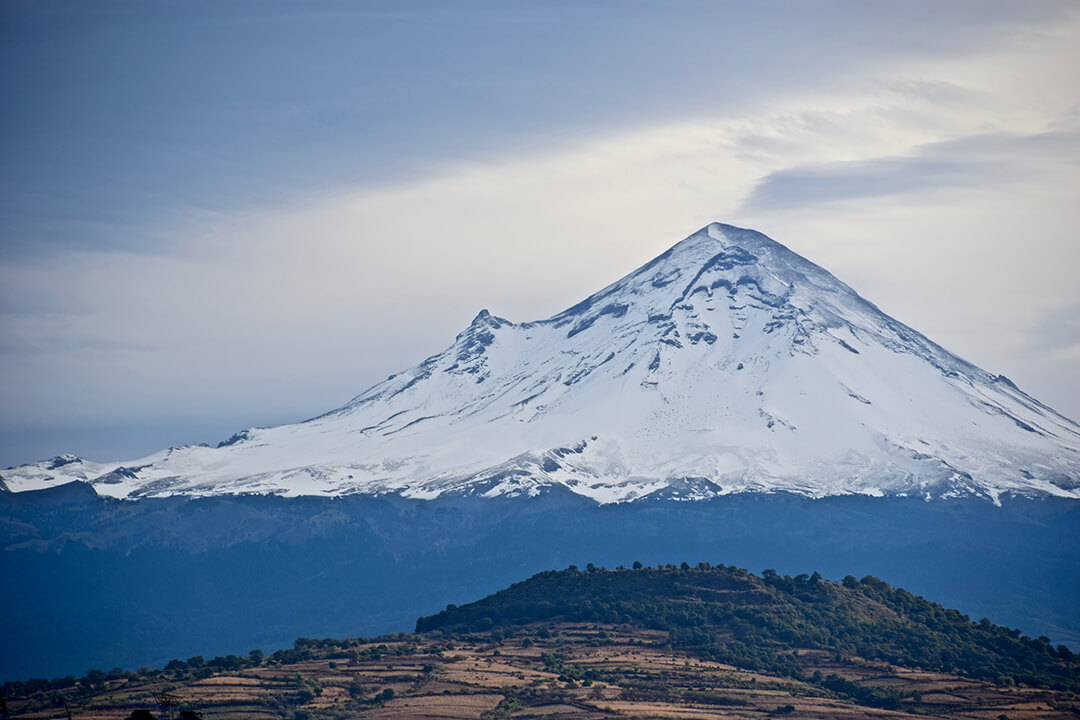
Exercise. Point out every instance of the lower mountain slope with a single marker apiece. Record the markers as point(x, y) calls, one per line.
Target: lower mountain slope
point(702, 642)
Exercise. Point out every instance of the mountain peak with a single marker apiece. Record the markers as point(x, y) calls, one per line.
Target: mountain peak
point(479, 333)
point(719, 237)
point(727, 364)
point(486, 319)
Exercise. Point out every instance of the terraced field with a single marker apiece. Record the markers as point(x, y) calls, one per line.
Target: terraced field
point(550, 671)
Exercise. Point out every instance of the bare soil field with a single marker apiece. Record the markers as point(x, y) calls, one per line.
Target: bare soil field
point(553, 672)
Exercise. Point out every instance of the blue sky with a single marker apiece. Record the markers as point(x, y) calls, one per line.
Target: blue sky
point(218, 215)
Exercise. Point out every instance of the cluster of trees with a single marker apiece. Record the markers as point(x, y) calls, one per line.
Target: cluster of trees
point(96, 680)
point(301, 691)
point(869, 618)
point(69, 685)
point(196, 667)
point(730, 615)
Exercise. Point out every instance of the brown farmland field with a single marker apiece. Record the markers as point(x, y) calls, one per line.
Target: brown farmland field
point(629, 673)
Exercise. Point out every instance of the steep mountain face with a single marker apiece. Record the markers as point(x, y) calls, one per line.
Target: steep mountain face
point(728, 364)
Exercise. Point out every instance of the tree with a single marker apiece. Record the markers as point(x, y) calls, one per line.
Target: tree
point(175, 666)
point(637, 565)
point(95, 679)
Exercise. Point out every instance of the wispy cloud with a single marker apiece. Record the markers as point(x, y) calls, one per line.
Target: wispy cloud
point(977, 160)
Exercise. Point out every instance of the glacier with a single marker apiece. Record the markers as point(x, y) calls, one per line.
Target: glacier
point(728, 364)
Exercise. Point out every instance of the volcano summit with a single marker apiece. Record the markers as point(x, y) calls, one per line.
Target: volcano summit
point(728, 364)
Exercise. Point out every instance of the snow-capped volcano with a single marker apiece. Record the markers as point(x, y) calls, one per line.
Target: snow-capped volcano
point(728, 364)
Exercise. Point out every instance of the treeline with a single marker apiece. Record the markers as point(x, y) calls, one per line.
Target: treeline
point(198, 668)
point(730, 615)
point(97, 680)
point(286, 694)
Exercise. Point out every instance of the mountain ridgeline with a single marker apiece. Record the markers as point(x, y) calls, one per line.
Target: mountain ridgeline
point(732, 616)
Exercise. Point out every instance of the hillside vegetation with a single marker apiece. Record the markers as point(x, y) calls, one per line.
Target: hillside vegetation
point(671, 642)
point(257, 571)
point(732, 616)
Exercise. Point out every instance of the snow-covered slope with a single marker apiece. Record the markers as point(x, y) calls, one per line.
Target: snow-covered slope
point(728, 364)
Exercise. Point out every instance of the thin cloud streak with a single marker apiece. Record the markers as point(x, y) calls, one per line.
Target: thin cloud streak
point(964, 162)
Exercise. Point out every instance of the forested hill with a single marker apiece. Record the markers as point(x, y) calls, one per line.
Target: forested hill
point(733, 616)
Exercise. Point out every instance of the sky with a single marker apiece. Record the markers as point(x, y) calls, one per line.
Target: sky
point(218, 215)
